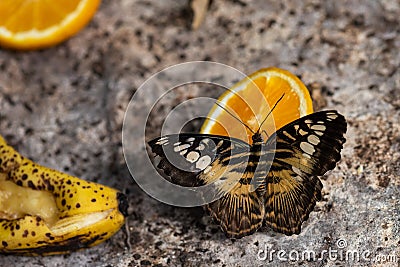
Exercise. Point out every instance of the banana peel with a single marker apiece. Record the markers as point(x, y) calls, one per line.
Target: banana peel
point(46, 212)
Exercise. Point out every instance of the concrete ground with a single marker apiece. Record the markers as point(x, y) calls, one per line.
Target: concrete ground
point(64, 107)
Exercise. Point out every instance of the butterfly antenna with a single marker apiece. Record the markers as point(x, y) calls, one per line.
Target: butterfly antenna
point(265, 132)
point(235, 117)
point(270, 112)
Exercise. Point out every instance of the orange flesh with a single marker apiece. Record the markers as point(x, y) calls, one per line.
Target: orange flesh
point(22, 15)
point(33, 24)
point(252, 109)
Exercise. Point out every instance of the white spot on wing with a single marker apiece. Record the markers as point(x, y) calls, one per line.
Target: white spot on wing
point(162, 141)
point(206, 141)
point(313, 139)
point(181, 147)
point(203, 162)
point(201, 147)
point(192, 156)
point(302, 132)
point(190, 139)
point(288, 135)
point(318, 127)
point(332, 116)
point(307, 147)
point(220, 143)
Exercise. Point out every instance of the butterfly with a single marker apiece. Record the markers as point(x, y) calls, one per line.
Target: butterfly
point(273, 182)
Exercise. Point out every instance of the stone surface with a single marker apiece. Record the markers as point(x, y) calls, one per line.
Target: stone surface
point(64, 107)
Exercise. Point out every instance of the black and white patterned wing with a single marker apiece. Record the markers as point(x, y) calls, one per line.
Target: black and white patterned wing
point(183, 157)
point(305, 149)
point(194, 160)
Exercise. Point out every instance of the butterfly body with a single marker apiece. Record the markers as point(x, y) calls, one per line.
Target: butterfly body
point(272, 182)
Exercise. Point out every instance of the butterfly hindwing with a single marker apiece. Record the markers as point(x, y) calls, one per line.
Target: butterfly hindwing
point(305, 149)
point(239, 212)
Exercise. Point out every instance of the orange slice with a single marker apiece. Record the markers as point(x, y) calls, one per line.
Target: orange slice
point(32, 24)
point(251, 99)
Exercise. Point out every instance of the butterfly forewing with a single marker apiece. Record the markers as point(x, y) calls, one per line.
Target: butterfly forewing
point(187, 158)
point(305, 148)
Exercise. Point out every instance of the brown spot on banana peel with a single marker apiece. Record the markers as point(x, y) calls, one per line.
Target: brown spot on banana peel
point(88, 213)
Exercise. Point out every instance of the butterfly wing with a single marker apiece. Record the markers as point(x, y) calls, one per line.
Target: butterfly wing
point(184, 157)
point(239, 212)
point(198, 159)
point(305, 149)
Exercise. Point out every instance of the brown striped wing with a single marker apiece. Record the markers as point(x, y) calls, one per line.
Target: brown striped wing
point(305, 149)
point(240, 208)
point(239, 212)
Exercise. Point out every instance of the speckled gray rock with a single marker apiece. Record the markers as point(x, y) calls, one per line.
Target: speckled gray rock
point(64, 108)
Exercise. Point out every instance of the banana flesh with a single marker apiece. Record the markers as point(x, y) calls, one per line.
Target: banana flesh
point(45, 212)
